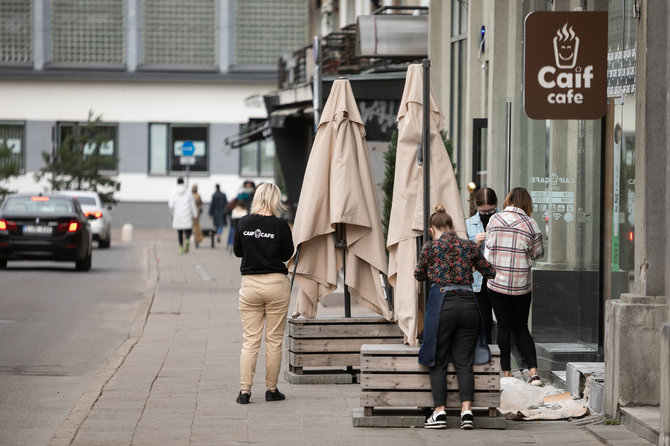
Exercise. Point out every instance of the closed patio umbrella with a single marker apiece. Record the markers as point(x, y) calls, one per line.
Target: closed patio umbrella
point(339, 195)
point(406, 220)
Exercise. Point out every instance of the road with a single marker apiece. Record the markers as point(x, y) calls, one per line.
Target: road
point(57, 328)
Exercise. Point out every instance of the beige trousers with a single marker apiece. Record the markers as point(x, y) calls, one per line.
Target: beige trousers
point(264, 300)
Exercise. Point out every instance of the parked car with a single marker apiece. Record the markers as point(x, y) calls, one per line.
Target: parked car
point(99, 216)
point(44, 227)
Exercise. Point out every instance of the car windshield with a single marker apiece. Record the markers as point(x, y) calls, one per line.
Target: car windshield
point(38, 205)
point(87, 201)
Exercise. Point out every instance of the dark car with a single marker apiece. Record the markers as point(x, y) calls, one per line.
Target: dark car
point(44, 227)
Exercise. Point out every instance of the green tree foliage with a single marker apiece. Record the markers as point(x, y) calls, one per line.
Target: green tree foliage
point(389, 174)
point(9, 166)
point(387, 184)
point(77, 163)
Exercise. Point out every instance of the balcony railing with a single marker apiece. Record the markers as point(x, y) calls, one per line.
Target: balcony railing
point(338, 55)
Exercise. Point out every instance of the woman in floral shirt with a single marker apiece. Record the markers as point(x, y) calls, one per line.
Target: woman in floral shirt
point(452, 320)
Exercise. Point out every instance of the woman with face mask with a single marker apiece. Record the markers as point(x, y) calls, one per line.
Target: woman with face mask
point(486, 202)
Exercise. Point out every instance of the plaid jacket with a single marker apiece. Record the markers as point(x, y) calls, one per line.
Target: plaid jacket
point(513, 241)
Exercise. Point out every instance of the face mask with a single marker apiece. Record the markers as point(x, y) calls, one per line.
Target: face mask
point(485, 219)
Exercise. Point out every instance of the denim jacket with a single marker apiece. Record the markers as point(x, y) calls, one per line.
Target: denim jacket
point(428, 347)
point(474, 226)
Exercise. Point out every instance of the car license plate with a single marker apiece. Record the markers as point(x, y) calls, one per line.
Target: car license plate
point(37, 229)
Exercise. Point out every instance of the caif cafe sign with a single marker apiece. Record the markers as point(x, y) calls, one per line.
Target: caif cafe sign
point(565, 65)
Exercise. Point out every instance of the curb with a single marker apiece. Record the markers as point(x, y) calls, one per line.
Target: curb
point(66, 433)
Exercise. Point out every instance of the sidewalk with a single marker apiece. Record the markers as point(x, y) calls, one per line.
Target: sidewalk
point(174, 382)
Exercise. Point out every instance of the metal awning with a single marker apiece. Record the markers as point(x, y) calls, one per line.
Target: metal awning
point(278, 117)
point(261, 131)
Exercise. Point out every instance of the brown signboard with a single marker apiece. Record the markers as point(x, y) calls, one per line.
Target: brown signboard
point(565, 65)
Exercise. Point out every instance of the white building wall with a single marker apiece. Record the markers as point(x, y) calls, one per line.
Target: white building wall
point(129, 102)
point(138, 102)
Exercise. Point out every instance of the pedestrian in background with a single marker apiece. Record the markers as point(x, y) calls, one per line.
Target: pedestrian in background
point(183, 211)
point(513, 241)
point(265, 243)
point(486, 202)
point(217, 211)
point(246, 193)
point(197, 232)
point(240, 209)
point(452, 324)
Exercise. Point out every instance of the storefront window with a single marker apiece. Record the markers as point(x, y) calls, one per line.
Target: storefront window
point(102, 138)
point(559, 161)
point(11, 136)
point(165, 143)
point(621, 60)
point(257, 158)
point(458, 78)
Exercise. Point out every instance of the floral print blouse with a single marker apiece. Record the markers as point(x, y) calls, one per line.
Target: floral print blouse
point(449, 260)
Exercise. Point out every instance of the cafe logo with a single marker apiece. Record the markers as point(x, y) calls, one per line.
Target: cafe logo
point(258, 234)
point(566, 65)
point(566, 48)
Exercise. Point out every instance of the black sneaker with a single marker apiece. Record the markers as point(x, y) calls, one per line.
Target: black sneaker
point(466, 420)
point(275, 395)
point(243, 398)
point(438, 420)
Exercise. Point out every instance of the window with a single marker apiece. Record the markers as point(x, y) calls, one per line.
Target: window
point(180, 32)
point(459, 29)
point(165, 143)
point(87, 31)
point(257, 158)
point(16, 25)
point(11, 135)
point(103, 138)
point(265, 29)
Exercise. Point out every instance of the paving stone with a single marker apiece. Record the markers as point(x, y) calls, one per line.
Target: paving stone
point(179, 382)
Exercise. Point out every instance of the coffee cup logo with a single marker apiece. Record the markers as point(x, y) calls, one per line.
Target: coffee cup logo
point(566, 47)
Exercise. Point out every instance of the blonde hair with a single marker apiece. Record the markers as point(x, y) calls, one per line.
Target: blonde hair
point(267, 198)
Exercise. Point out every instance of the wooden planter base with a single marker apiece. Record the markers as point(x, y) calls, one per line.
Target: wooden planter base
point(392, 378)
point(328, 350)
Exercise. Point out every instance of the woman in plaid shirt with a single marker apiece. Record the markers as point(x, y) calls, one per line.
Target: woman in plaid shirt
point(513, 241)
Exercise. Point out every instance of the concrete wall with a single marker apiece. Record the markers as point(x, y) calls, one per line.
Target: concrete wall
point(133, 143)
point(38, 140)
point(651, 133)
point(635, 374)
point(632, 342)
point(664, 434)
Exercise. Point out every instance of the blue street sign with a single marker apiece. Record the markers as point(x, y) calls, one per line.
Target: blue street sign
point(187, 148)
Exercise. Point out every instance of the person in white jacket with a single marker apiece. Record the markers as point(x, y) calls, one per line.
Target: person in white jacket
point(183, 210)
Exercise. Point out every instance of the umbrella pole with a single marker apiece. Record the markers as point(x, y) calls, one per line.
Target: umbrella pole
point(341, 242)
point(425, 145)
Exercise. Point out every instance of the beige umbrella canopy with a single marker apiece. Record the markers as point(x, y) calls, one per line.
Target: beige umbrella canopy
point(338, 189)
point(406, 220)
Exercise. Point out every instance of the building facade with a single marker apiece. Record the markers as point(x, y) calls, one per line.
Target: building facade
point(157, 73)
point(599, 186)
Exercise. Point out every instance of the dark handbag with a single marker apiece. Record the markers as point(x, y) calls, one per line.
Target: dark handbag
point(482, 351)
